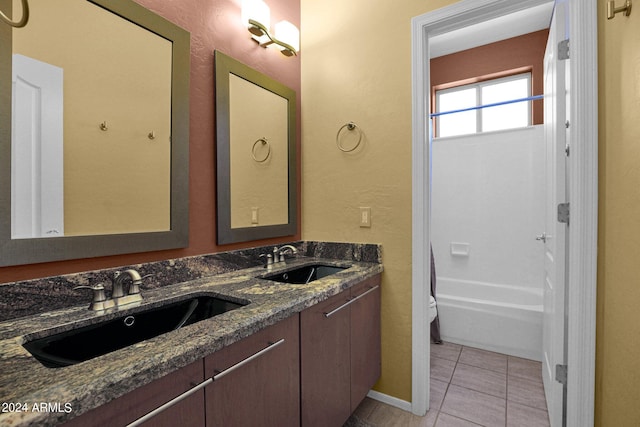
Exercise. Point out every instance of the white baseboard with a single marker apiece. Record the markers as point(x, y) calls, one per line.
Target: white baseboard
point(390, 400)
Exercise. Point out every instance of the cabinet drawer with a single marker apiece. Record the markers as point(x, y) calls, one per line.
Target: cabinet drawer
point(128, 408)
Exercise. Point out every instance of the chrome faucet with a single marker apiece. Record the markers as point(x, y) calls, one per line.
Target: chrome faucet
point(133, 294)
point(279, 253)
point(118, 298)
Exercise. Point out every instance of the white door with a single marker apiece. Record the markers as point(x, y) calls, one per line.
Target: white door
point(554, 237)
point(37, 188)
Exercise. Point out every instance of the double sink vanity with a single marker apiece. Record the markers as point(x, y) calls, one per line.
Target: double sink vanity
point(297, 343)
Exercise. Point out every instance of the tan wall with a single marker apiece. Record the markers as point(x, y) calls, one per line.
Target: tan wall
point(356, 65)
point(618, 321)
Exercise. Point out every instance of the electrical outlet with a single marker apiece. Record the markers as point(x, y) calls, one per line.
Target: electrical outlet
point(365, 217)
point(254, 215)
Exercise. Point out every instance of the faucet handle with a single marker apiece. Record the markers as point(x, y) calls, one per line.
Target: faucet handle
point(99, 301)
point(269, 258)
point(98, 292)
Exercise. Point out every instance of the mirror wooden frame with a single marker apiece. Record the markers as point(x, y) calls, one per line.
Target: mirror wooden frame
point(35, 250)
point(224, 66)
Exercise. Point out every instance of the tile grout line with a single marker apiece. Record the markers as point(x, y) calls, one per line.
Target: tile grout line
point(446, 390)
point(455, 366)
point(506, 398)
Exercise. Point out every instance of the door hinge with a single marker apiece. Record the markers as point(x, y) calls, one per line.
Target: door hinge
point(567, 149)
point(563, 213)
point(561, 374)
point(563, 50)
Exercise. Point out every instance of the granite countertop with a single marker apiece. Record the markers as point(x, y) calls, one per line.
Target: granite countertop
point(76, 389)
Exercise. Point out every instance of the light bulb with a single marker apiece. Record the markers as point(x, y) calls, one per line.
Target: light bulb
point(256, 10)
point(288, 33)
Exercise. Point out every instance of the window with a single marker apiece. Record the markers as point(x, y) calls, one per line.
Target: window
point(474, 120)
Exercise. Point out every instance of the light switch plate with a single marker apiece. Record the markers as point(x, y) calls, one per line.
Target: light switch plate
point(365, 217)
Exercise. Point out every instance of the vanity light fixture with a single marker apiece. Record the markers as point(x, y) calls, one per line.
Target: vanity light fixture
point(256, 16)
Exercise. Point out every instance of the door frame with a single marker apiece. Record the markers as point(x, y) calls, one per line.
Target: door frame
point(583, 178)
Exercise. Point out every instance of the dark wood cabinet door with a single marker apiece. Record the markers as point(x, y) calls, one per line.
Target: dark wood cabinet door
point(128, 408)
point(365, 339)
point(325, 362)
point(264, 391)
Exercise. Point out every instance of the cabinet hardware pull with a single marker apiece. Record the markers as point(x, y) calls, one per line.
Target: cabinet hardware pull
point(203, 384)
point(271, 346)
point(170, 403)
point(350, 301)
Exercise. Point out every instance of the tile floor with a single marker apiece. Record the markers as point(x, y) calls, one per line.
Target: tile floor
point(470, 388)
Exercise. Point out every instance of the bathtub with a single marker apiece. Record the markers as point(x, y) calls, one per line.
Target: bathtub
point(500, 318)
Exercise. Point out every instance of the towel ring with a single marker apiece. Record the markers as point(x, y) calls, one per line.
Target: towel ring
point(253, 150)
point(22, 22)
point(350, 126)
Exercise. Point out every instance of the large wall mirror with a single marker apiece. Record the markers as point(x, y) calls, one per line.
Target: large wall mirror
point(256, 154)
point(94, 135)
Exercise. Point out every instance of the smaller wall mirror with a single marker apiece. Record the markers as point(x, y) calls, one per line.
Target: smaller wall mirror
point(256, 154)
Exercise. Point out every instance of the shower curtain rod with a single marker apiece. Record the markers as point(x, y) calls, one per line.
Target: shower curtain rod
point(495, 104)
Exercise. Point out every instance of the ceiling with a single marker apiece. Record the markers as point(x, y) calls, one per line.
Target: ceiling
point(515, 24)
